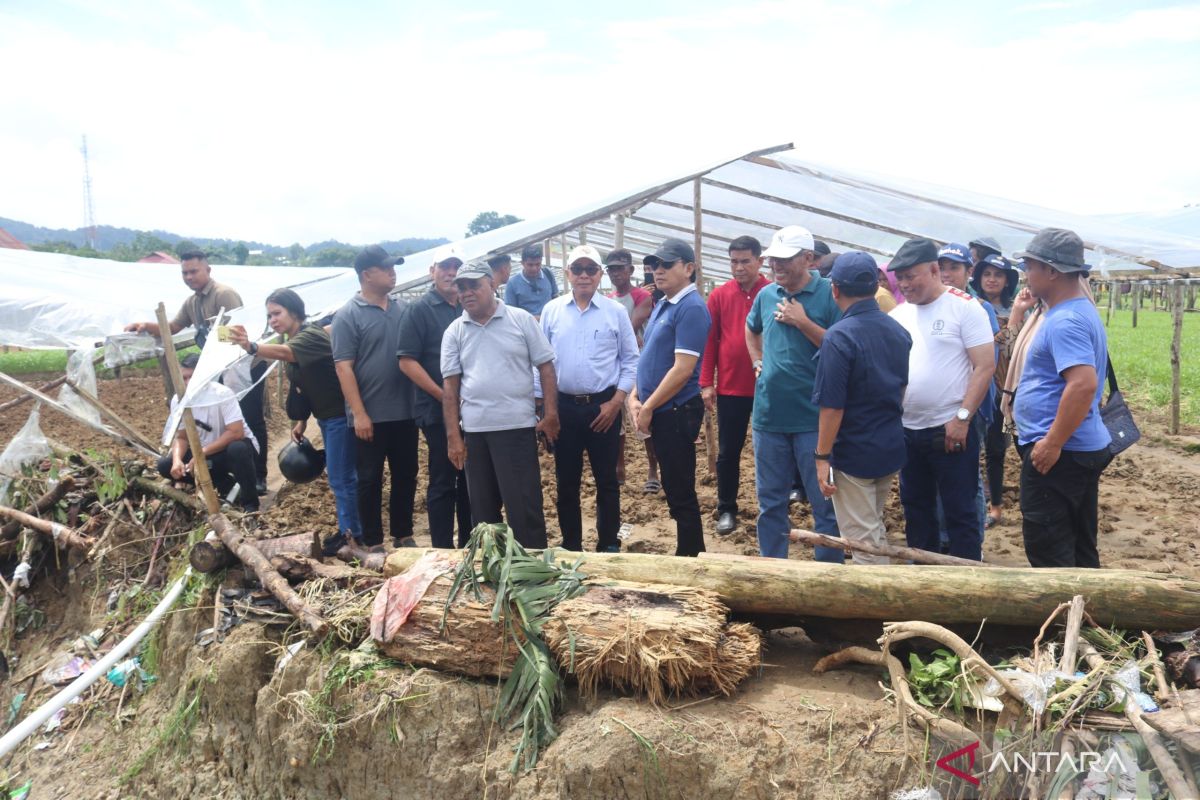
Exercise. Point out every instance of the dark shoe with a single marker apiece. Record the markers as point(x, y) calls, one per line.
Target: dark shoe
point(331, 545)
point(726, 523)
point(407, 541)
point(612, 548)
point(794, 496)
point(261, 487)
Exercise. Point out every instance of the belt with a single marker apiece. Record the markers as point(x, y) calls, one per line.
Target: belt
point(602, 396)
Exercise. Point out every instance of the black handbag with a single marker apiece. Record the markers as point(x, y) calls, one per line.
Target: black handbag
point(1117, 417)
point(296, 405)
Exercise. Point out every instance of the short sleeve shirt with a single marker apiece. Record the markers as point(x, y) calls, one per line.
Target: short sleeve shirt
point(421, 339)
point(369, 335)
point(784, 389)
point(636, 296)
point(313, 373)
point(677, 325)
point(215, 409)
point(1071, 335)
point(199, 309)
point(862, 368)
point(530, 295)
point(496, 361)
point(939, 368)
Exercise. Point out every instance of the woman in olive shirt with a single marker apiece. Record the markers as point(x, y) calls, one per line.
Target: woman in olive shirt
point(309, 357)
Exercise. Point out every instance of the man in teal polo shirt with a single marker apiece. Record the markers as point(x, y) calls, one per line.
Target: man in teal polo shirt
point(785, 327)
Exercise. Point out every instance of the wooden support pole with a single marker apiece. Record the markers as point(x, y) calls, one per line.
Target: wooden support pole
point(1191, 303)
point(66, 412)
point(583, 234)
point(199, 463)
point(1137, 301)
point(1176, 338)
point(698, 234)
point(25, 398)
point(113, 417)
point(562, 243)
point(61, 534)
point(271, 580)
point(913, 554)
point(1112, 299)
point(619, 233)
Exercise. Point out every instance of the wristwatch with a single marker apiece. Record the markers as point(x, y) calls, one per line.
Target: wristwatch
point(757, 364)
point(962, 415)
point(821, 456)
point(253, 348)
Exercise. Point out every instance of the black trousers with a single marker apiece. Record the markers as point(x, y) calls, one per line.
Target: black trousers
point(733, 418)
point(995, 445)
point(1060, 509)
point(233, 465)
point(604, 450)
point(674, 433)
point(503, 468)
point(252, 410)
point(446, 497)
point(395, 442)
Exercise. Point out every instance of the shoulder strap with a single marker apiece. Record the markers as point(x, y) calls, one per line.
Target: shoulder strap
point(1112, 378)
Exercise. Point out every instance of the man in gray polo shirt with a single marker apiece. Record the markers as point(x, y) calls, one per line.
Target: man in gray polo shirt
point(379, 397)
point(488, 358)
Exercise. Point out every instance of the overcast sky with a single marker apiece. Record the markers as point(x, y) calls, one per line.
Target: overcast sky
point(303, 121)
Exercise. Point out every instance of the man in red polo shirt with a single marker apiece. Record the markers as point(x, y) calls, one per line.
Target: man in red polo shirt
point(730, 392)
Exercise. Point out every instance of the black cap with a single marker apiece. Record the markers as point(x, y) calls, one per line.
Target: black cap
point(986, 244)
point(499, 260)
point(820, 248)
point(620, 256)
point(374, 256)
point(189, 361)
point(669, 252)
point(531, 251)
point(913, 252)
point(855, 270)
point(1058, 247)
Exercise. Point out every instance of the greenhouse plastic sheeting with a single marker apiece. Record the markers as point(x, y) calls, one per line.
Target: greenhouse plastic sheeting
point(52, 300)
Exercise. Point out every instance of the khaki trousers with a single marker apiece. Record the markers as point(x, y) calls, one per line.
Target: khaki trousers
point(858, 504)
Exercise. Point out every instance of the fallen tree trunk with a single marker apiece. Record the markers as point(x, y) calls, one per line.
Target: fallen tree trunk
point(271, 580)
point(887, 550)
point(169, 492)
point(47, 501)
point(211, 554)
point(61, 534)
point(945, 595)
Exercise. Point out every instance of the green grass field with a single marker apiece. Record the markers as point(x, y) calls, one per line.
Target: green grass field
point(1142, 359)
point(54, 362)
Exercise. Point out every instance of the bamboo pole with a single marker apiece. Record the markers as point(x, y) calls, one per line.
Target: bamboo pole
point(698, 234)
point(199, 463)
point(890, 551)
point(113, 417)
point(619, 234)
point(1176, 336)
point(271, 580)
point(1003, 595)
point(40, 506)
point(25, 398)
point(66, 412)
point(61, 534)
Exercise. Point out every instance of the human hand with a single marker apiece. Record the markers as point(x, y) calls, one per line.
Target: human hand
point(609, 412)
point(298, 431)
point(956, 435)
point(645, 416)
point(548, 426)
point(456, 450)
point(825, 478)
point(1023, 302)
point(237, 335)
point(1044, 456)
point(178, 470)
point(709, 395)
point(791, 313)
point(363, 427)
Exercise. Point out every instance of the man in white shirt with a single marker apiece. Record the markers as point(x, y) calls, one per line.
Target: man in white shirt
point(950, 367)
point(595, 360)
point(229, 445)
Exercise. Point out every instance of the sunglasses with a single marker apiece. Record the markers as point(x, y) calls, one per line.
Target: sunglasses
point(666, 264)
point(584, 269)
point(467, 284)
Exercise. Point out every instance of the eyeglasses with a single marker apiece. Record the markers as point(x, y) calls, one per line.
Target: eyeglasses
point(581, 269)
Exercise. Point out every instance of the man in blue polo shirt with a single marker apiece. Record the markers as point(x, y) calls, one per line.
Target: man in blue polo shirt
point(862, 369)
point(666, 402)
point(785, 327)
point(534, 285)
point(1062, 440)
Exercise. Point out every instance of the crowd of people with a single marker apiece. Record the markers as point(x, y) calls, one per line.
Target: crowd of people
point(846, 373)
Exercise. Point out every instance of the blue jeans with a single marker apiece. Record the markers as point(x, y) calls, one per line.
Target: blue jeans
point(343, 479)
point(931, 474)
point(777, 459)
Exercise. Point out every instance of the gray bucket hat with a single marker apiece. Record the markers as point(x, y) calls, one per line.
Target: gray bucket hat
point(1058, 247)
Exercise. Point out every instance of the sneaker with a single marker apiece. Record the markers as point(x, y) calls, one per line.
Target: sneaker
point(726, 523)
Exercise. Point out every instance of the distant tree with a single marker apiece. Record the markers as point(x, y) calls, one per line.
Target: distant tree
point(488, 221)
point(241, 252)
point(183, 245)
point(340, 256)
point(296, 253)
point(70, 248)
point(261, 260)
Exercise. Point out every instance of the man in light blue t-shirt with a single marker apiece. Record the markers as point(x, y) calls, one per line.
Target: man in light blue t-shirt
point(532, 287)
point(1063, 442)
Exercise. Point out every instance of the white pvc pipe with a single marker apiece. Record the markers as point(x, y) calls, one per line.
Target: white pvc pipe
point(27, 726)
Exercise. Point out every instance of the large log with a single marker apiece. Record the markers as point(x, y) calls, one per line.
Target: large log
point(271, 580)
point(945, 595)
point(211, 554)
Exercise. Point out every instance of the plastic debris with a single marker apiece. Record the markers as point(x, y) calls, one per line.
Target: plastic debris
point(66, 669)
point(119, 675)
point(1129, 677)
point(20, 576)
point(55, 720)
point(14, 708)
point(919, 793)
point(28, 447)
point(80, 372)
point(21, 793)
point(292, 649)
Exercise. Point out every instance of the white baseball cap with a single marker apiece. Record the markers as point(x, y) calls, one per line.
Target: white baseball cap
point(447, 252)
point(585, 251)
point(789, 241)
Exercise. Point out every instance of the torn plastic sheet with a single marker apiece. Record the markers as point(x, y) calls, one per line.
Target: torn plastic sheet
point(82, 373)
point(28, 447)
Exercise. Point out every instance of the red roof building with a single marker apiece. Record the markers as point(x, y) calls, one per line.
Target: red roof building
point(159, 257)
point(11, 242)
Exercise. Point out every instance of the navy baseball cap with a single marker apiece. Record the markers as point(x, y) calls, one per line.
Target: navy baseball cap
point(855, 270)
point(955, 252)
point(670, 251)
point(913, 252)
point(375, 256)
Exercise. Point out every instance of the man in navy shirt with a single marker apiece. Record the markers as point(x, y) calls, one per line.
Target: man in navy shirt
point(1063, 442)
point(534, 285)
point(862, 369)
point(666, 401)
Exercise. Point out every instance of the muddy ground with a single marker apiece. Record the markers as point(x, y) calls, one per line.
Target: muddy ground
point(225, 721)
